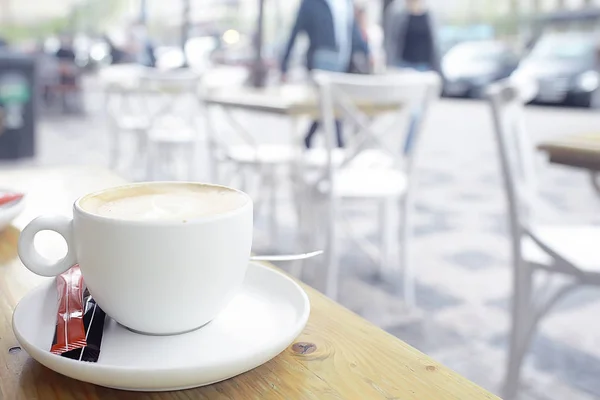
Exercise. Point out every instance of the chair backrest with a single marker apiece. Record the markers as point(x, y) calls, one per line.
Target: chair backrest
point(172, 94)
point(517, 153)
point(357, 98)
point(224, 76)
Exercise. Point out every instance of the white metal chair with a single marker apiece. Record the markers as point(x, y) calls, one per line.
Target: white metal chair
point(369, 169)
point(128, 115)
point(538, 251)
point(248, 158)
point(173, 134)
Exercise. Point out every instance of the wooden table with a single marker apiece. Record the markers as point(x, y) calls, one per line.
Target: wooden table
point(290, 100)
point(294, 102)
point(338, 356)
point(578, 151)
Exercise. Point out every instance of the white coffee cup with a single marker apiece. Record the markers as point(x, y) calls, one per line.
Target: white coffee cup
point(157, 276)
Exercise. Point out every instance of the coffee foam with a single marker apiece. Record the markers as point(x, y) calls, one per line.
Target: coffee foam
point(157, 201)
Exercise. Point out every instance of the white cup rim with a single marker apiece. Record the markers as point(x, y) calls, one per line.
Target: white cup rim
point(208, 218)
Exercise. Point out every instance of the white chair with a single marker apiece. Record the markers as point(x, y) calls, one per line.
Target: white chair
point(538, 251)
point(128, 115)
point(367, 168)
point(173, 134)
point(248, 158)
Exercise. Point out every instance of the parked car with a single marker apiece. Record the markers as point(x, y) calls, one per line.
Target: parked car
point(451, 35)
point(566, 69)
point(470, 66)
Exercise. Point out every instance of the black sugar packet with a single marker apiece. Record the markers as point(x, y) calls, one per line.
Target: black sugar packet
point(93, 321)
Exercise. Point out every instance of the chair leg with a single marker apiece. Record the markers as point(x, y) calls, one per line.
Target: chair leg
point(331, 248)
point(150, 163)
point(386, 239)
point(191, 164)
point(170, 161)
point(213, 164)
point(243, 175)
point(521, 329)
point(408, 275)
point(595, 179)
point(273, 205)
point(115, 148)
point(258, 180)
point(303, 224)
point(141, 150)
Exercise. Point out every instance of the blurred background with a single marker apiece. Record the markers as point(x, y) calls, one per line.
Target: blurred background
point(65, 64)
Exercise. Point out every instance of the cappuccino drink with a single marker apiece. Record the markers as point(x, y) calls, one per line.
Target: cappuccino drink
point(163, 201)
point(158, 257)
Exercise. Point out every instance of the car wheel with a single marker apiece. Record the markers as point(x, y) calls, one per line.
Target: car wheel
point(475, 93)
point(594, 100)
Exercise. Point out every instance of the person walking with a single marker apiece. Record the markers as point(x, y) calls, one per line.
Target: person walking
point(333, 36)
point(140, 45)
point(360, 62)
point(69, 86)
point(410, 39)
point(411, 36)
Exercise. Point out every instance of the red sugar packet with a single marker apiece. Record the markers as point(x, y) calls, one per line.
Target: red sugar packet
point(70, 330)
point(6, 198)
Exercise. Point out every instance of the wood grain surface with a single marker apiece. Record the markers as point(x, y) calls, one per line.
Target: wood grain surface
point(338, 356)
point(291, 100)
point(580, 151)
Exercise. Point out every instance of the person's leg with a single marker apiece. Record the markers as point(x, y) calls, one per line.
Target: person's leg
point(422, 67)
point(415, 116)
point(338, 132)
point(311, 132)
point(315, 126)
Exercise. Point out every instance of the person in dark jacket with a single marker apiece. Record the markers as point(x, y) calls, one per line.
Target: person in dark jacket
point(411, 42)
point(333, 36)
point(411, 36)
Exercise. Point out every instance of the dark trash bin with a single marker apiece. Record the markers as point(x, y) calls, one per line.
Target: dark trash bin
point(17, 108)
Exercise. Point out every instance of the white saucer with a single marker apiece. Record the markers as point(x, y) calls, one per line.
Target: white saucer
point(261, 321)
point(9, 211)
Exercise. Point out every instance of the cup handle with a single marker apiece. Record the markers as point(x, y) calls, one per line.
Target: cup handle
point(35, 262)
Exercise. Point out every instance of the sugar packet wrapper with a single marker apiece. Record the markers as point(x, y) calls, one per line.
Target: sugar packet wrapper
point(79, 320)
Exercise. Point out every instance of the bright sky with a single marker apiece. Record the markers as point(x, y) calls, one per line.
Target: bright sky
point(31, 10)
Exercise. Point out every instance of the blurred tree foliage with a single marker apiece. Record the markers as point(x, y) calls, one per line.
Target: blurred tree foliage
point(15, 33)
point(87, 16)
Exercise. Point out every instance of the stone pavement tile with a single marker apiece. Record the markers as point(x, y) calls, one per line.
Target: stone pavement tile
point(447, 245)
point(490, 181)
point(542, 386)
point(435, 178)
point(474, 321)
point(424, 207)
point(429, 298)
point(572, 303)
point(434, 298)
point(428, 335)
point(576, 327)
point(468, 285)
point(434, 223)
point(475, 360)
point(473, 259)
point(558, 200)
point(579, 369)
point(496, 223)
point(471, 196)
point(374, 304)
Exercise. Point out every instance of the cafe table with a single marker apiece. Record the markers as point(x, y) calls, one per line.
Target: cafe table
point(292, 101)
point(288, 100)
point(578, 151)
point(339, 355)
